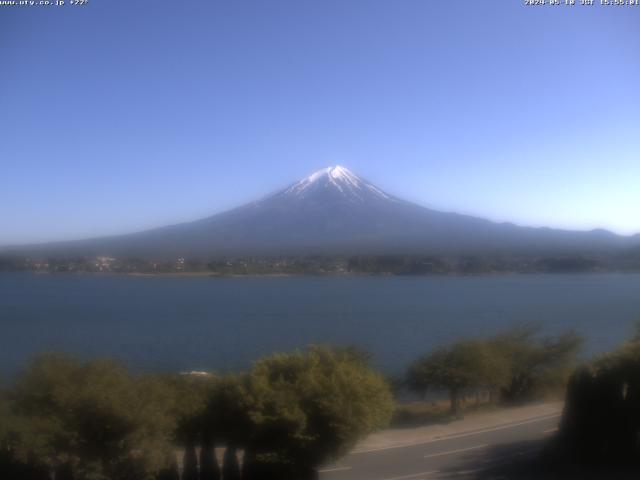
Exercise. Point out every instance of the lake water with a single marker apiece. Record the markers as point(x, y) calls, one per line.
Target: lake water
point(199, 323)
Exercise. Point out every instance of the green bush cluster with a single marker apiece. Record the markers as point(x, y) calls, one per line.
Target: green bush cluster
point(95, 421)
point(514, 367)
point(601, 421)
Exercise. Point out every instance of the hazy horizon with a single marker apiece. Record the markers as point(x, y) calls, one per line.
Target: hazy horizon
point(122, 117)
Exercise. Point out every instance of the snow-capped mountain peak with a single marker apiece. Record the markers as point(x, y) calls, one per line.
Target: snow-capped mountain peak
point(335, 212)
point(337, 179)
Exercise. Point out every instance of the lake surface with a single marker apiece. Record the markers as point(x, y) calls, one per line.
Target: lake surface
point(199, 323)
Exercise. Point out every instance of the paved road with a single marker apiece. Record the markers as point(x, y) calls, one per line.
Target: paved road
point(458, 455)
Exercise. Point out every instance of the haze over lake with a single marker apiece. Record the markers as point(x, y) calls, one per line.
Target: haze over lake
point(199, 323)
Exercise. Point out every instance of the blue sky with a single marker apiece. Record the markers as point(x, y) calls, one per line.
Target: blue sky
point(123, 115)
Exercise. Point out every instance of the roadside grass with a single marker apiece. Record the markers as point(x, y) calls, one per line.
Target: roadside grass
point(420, 413)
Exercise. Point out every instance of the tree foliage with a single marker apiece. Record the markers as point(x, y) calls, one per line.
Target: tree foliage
point(95, 421)
point(538, 365)
point(459, 368)
point(190, 395)
point(88, 420)
point(601, 420)
point(309, 407)
point(518, 364)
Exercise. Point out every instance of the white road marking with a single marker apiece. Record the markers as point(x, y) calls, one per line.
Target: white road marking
point(459, 435)
point(451, 452)
point(551, 430)
point(413, 475)
point(334, 469)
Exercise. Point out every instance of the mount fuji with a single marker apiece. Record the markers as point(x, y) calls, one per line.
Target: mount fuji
point(334, 211)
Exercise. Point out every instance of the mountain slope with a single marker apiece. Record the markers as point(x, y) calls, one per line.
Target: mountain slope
point(333, 211)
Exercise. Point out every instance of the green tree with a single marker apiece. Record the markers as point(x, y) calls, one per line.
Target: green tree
point(306, 408)
point(538, 365)
point(227, 420)
point(227, 411)
point(89, 420)
point(209, 468)
point(460, 368)
point(190, 397)
point(601, 418)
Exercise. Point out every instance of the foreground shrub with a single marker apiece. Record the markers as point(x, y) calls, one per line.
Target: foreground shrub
point(517, 367)
point(307, 408)
point(76, 420)
point(539, 366)
point(601, 421)
point(87, 421)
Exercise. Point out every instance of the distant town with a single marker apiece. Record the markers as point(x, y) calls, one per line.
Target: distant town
point(329, 265)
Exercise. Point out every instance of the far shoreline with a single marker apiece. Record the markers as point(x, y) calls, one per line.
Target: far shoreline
point(320, 274)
